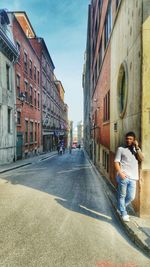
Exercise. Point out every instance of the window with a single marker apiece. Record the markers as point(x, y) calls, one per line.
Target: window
point(26, 131)
point(8, 76)
point(9, 120)
point(43, 80)
point(38, 77)
point(95, 120)
point(96, 72)
point(18, 85)
point(18, 47)
point(31, 131)
point(30, 68)
point(35, 132)
point(35, 73)
point(31, 92)
point(25, 62)
point(108, 24)
point(100, 55)
point(96, 28)
point(122, 89)
point(38, 133)
point(26, 90)
point(122, 92)
point(18, 117)
point(35, 98)
point(106, 107)
point(38, 100)
point(100, 4)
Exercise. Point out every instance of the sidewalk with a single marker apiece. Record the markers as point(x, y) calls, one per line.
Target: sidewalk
point(138, 229)
point(25, 162)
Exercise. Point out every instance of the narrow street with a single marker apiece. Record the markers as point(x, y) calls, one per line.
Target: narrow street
point(55, 213)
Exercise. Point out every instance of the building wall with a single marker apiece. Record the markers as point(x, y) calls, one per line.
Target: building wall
point(128, 53)
point(145, 167)
point(7, 100)
point(86, 82)
point(125, 72)
point(51, 102)
point(100, 82)
point(30, 112)
point(8, 56)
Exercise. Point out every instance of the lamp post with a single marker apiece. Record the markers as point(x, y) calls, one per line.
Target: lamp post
point(22, 99)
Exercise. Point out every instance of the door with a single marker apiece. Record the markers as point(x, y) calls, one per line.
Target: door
point(19, 145)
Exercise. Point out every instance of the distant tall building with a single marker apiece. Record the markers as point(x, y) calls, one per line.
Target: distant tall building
point(80, 133)
point(62, 130)
point(8, 56)
point(70, 134)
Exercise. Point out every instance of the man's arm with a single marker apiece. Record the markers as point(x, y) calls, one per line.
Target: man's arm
point(118, 169)
point(139, 154)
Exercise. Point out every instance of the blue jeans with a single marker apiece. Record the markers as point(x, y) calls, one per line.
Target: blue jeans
point(126, 193)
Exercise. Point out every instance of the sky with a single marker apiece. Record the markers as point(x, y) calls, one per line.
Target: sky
point(63, 25)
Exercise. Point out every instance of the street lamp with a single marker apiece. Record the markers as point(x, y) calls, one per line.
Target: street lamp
point(22, 99)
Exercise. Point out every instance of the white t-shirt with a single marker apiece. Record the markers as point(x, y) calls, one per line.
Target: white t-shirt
point(128, 162)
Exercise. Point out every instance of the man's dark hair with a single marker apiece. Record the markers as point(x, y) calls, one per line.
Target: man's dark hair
point(130, 134)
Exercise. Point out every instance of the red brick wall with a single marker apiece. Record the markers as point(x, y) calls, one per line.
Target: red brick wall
point(103, 86)
point(103, 83)
point(28, 111)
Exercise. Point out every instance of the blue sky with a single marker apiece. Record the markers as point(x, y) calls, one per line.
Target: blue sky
point(63, 24)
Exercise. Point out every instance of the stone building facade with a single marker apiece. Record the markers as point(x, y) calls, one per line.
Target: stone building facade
point(120, 100)
point(86, 84)
point(8, 56)
point(62, 130)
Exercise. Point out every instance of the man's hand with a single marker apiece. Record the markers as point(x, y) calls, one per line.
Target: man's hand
point(136, 144)
point(122, 175)
point(118, 170)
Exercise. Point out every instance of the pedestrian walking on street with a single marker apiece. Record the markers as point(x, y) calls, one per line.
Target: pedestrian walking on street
point(126, 165)
point(61, 150)
point(58, 148)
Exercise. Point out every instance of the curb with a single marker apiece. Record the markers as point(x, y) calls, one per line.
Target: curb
point(26, 164)
point(137, 236)
point(16, 167)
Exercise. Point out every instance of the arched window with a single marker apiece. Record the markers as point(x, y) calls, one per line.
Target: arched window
point(122, 89)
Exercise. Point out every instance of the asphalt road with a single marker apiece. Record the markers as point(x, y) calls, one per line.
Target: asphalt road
point(55, 213)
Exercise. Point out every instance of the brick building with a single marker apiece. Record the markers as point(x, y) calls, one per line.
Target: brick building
point(98, 52)
point(27, 73)
point(49, 94)
point(118, 45)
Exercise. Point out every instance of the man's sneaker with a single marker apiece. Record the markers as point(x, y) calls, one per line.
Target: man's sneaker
point(118, 211)
point(125, 218)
